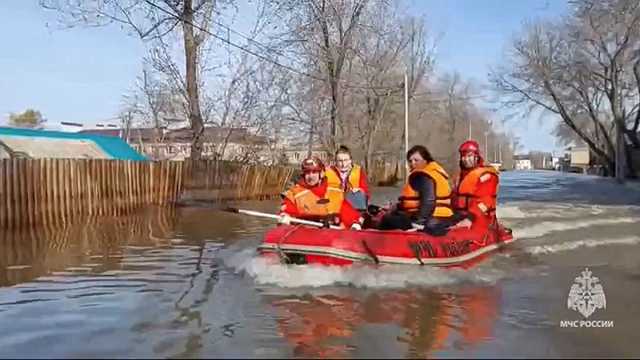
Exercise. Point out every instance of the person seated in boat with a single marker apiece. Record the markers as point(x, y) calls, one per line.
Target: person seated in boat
point(312, 198)
point(425, 201)
point(349, 177)
point(476, 186)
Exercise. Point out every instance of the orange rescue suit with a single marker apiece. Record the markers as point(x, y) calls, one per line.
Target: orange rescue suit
point(302, 202)
point(477, 191)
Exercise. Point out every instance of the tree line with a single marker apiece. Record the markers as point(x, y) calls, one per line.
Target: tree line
point(325, 72)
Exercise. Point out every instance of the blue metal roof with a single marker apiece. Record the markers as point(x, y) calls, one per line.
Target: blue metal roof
point(113, 146)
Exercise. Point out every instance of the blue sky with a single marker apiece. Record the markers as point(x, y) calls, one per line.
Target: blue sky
point(81, 74)
point(69, 75)
point(475, 35)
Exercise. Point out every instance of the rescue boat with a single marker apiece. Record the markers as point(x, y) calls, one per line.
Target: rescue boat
point(300, 244)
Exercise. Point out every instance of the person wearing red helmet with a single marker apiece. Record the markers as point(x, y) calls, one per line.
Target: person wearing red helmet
point(312, 198)
point(476, 187)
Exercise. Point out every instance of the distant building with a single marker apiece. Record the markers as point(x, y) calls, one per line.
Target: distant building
point(218, 143)
point(541, 160)
point(581, 159)
point(36, 144)
point(580, 156)
point(522, 162)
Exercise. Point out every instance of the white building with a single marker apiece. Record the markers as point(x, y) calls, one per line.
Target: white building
point(580, 156)
point(522, 162)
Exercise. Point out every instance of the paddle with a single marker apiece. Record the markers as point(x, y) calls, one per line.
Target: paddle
point(277, 217)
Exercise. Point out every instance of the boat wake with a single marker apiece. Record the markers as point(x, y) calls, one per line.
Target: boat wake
point(266, 272)
point(529, 209)
point(547, 227)
point(571, 245)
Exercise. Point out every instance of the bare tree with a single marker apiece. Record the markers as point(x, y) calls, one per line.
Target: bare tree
point(456, 107)
point(391, 45)
point(379, 55)
point(302, 103)
point(151, 103)
point(153, 19)
point(585, 70)
point(325, 32)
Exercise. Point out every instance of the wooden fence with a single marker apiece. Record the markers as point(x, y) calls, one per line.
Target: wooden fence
point(58, 191)
point(225, 180)
point(386, 173)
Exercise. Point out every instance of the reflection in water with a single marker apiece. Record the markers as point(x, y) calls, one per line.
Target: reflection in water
point(95, 246)
point(120, 271)
point(324, 325)
point(142, 284)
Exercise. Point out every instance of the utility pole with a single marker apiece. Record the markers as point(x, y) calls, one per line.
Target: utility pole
point(469, 138)
point(406, 120)
point(620, 155)
point(310, 139)
point(486, 143)
point(500, 152)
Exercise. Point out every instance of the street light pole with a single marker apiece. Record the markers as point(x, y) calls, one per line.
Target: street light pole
point(406, 120)
point(486, 143)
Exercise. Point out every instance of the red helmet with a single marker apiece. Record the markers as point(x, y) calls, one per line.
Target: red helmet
point(469, 146)
point(312, 164)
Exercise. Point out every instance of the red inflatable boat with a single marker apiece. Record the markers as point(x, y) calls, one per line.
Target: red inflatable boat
point(299, 244)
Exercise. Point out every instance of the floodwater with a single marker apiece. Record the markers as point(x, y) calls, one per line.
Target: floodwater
point(186, 283)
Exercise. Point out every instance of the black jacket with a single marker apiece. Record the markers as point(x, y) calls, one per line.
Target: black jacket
point(426, 188)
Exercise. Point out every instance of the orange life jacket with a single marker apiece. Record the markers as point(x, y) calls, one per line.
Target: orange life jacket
point(410, 200)
point(467, 188)
point(307, 202)
point(353, 180)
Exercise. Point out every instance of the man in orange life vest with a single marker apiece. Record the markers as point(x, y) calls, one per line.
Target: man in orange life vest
point(350, 178)
point(312, 198)
point(476, 186)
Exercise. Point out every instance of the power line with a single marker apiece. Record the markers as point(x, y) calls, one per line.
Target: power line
point(471, 97)
point(272, 61)
point(268, 48)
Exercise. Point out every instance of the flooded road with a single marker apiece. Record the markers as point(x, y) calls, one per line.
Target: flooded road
point(186, 283)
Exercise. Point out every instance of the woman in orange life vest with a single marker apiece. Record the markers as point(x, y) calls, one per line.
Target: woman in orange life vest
point(425, 202)
point(312, 198)
point(476, 187)
point(350, 178)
